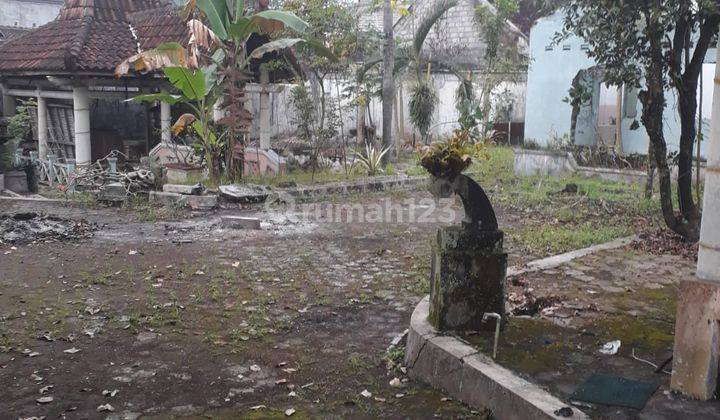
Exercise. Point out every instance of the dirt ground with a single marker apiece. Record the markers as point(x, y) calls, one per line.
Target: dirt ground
point(162, 319)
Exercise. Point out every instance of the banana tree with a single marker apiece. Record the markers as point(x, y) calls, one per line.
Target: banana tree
point(197, 91)
point(218, 50)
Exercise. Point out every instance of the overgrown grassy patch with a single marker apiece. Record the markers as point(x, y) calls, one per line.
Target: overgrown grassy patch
point(555, 239)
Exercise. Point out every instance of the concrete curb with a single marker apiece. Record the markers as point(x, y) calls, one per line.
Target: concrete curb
point(557, 260)
point(313, 192)
point(447, 363)
point(42, 200)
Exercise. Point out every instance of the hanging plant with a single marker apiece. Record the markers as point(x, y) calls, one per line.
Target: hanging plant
point(423, 99)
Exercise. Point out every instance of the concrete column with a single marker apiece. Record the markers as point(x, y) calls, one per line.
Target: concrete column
point(8, 104)
point(264, 109)
point(165, 122)
point(42, 127)
point(709, 254)
point(81, 110)
point(696, 355)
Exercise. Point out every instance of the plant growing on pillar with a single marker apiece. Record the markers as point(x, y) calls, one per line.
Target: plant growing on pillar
point(450, 158)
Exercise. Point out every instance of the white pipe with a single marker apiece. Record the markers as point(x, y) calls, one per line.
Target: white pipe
point(708, 267)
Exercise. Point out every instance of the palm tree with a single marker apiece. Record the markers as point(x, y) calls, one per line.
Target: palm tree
point(388, 84)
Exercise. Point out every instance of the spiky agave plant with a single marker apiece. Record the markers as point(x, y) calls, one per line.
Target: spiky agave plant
point(371, 159)
point(423, 99)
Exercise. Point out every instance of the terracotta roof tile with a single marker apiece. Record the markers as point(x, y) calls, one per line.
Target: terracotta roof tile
point(93, 35)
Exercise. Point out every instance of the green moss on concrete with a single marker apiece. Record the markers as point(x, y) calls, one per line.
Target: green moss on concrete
point(528, 345)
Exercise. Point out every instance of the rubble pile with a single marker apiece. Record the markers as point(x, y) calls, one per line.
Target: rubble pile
point(28, 227)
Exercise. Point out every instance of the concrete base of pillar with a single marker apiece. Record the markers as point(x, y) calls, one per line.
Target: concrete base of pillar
point(467, 279)
point(697, 339)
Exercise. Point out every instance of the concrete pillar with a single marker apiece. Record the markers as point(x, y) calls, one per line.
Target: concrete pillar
point(696, 355)
point(8, 104)
point(264, 109)
point(42, 127)
point(81, 110)
point(165, 122)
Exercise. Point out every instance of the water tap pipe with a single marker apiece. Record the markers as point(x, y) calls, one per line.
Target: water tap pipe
point(498, 319)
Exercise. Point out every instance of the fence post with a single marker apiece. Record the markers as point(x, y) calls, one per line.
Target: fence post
point(51, 169)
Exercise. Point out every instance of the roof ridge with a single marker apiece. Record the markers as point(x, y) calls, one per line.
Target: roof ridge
point(78, 42)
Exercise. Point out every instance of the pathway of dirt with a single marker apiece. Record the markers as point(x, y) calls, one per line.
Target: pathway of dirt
point(187, 318)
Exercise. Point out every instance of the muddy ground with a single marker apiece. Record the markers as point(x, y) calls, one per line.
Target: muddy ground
point(168, 318)
point(566, 314)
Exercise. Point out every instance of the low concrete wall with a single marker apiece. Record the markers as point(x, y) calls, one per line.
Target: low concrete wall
point(556, 163)
point(543, 163)
point(447, 363)
point(608, 174)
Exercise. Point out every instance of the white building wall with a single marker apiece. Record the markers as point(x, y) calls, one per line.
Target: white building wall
point(28, 13)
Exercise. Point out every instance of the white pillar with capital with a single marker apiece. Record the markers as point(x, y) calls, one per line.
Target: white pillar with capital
point(81, 111)
point(696, 355)
point(42, 125)
point(165, 122)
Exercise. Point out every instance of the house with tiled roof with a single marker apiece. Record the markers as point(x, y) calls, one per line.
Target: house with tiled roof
point(68, 64)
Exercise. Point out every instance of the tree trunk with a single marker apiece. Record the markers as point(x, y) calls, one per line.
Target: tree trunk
point(388, 85)
point(653, 101)
point(687, 106)
point(360, 125)
point(650, 180)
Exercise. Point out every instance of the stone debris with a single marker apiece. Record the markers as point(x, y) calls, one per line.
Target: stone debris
point(240, 222)
point(245, 193)
point(611, 347)
point(29, 227)
point(105, 407)
point(197, 189)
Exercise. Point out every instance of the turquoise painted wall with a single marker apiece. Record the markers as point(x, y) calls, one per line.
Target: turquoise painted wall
point(550, 75)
